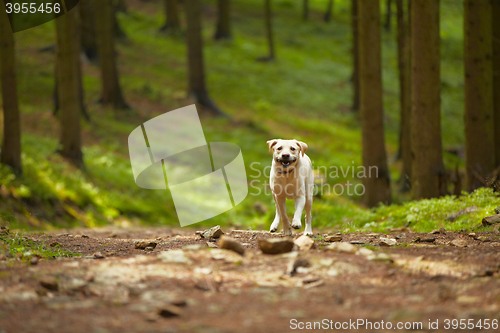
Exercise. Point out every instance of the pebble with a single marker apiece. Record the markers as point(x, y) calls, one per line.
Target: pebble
point(293, 265)
point(276, 245)
point(143, 244)
point(304, 243)
point(441, 231)
point(214, 232)
point(459, 242)
point(149, 248)
point(49, 282)
point(341, 247)
point(212, 245)
point(387, 242)
point(232, 244)
point(334, 238)
point(424, 240)
point(34, 260)
point(98, 255)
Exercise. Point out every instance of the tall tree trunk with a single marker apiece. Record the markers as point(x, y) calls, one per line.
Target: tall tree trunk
point(428, 176)
point(404, 91)
point(305, 10)
point(89, 44)
point(223, 20)
point(111, 90)
point(172, 22)
point(479, 136)
point(377, 184)
point(496, 76)
point(329, 11)
point(69, 83)
point(269, 31)
point(10, 154)
point(196, 67)
point(355, 54)
point(388, 15)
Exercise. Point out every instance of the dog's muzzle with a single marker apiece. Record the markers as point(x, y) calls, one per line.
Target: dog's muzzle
point(285, 163)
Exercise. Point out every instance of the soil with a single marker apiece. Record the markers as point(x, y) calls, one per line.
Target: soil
point(202, 289)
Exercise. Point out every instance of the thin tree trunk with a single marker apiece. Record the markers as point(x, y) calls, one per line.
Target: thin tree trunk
point(479, 136)
point(404, 91)
point(196, 68)
point(377, 184)
point(69, 83)
point(172, 22)
point(111, 90)
point(388, 15)
point(10, 153)
point(305, 10)
point(269, 31)
point(496, 77)
point(329, 11)
point(89, 44)
point(355, 54)
point(223, 20)
point(428, 175)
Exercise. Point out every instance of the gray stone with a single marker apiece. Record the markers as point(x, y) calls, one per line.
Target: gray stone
point(387, 242)
point(276, 245)
point(214, 232)
point(232, 244)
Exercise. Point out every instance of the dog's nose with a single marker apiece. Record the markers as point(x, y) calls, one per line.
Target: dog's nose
point(285, 156)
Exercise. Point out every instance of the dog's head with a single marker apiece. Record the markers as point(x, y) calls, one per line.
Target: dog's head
point(286, 153)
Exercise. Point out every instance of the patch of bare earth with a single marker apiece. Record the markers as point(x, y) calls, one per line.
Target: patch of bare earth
point(182, 285)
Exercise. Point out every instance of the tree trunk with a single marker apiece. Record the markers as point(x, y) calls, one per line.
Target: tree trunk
point(428, 175)
point(69, 83)
point(111, 90)
point(329, 11)
point(388, 15)
point(305, 10)
point(10, 154)
point(377, 184)
point(269, 30)
point(355, 54)
point(172, 22)
point(496, 77)
point(196, 69)
point(89, 44)
point(479, 136)
point(405, 92)
point(223, 20)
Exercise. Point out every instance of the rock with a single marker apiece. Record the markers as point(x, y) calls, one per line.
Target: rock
point(194, 247)
point(169, 311)
point(334, 238)
point(489, 220)
point(293, 265)
point(381, 257)
point(364, 252)
point(143, 244)
point(149, 248)
point(260, 208)
point(357, 242)
point(304, 243)
point(50, 283)
point(226, 255)
point(177, 256)
point(424, 240)
point(229, 243)
point(214, 232)
point(441, 231)
point(459, 242)
point(341, 247)
point(472, 234)
point(212, 245)
point(276, 245)
point(387, 242)
point(34, 260)
point(401, 235)
point(98, 255)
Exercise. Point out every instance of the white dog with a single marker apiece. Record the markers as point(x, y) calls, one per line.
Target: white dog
point(291, 178)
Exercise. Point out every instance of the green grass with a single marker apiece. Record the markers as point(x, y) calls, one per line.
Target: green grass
point(305, 94)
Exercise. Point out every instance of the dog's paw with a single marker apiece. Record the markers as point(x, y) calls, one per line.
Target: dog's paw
point(274, 226)
point(308, 232)
point(296, 224)
point(273, 229)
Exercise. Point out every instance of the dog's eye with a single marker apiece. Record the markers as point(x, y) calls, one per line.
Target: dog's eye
point(292, 149)
point(280, 148)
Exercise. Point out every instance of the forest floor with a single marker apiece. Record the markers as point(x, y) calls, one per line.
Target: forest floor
point(177, 287)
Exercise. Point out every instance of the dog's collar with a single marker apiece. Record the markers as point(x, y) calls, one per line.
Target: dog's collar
point(286, 171)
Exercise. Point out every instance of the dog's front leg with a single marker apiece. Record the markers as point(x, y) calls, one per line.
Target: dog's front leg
point(276, 222)
point(299, 208)
point(281, 205)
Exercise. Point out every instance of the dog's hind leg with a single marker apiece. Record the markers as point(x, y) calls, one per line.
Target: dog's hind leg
point(307, 207)
point(281, 205)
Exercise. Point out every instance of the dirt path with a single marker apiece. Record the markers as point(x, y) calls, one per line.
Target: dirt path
point(201, 289)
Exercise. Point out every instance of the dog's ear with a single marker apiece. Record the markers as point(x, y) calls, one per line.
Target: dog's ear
point(303, 147)
point(271, 144)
